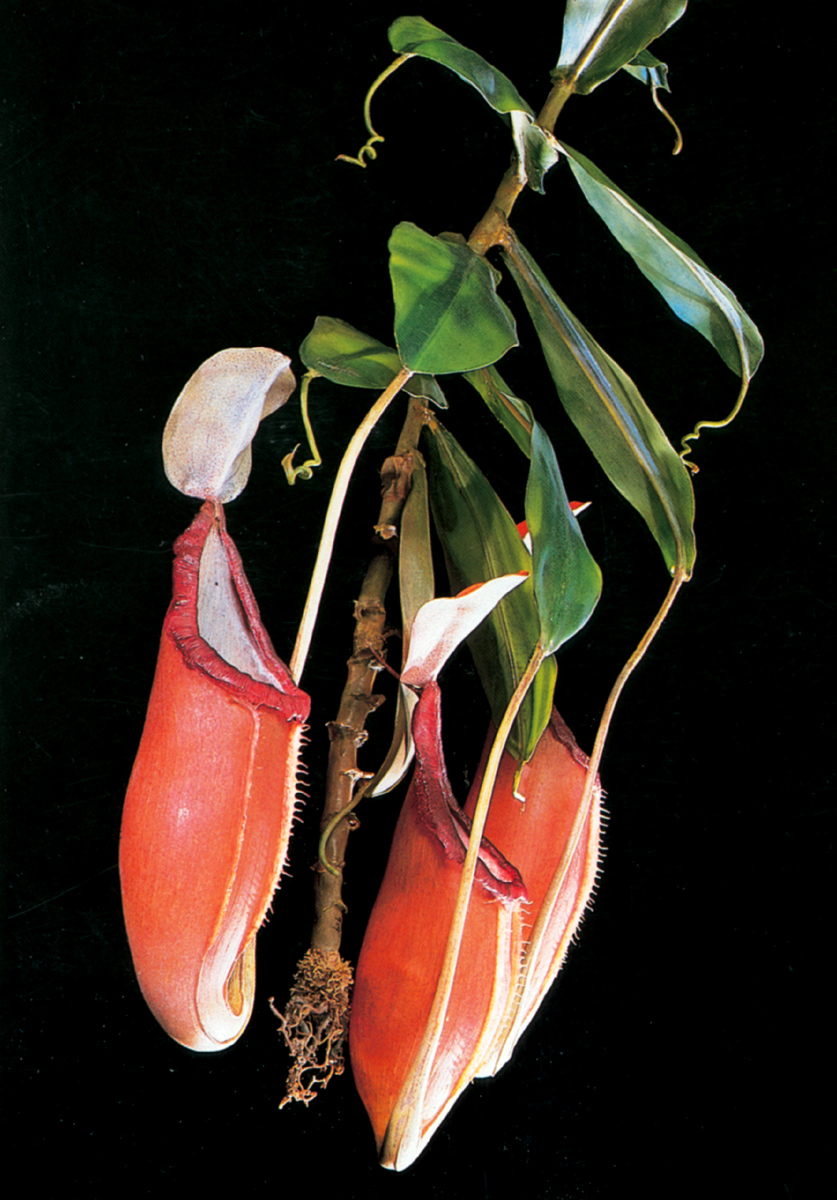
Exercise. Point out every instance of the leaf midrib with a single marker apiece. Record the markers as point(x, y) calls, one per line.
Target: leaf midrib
point(649, 468)
point(701, 273)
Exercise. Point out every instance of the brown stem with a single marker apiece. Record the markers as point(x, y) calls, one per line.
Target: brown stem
point(316, 1017)
point(347, 732)
point(562, 89)
point(490, 229)
point(492, 226)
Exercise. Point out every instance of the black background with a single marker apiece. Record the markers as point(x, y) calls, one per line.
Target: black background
point(169, 190)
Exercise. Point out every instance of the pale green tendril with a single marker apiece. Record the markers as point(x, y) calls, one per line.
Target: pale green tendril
point(332, 519)
point(306, 471)
point(368, 149)
point(695, 434)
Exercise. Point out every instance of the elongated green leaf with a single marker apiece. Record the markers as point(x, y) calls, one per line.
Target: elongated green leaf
point(692, 292)
point(600, 36)
point(536, 148)
point(448, 316)
point(612, 417)
point(567, 579)
point(344, 355)
point(417, 587)
point(514, 414)
point(414, 35)
point(415, 552)
point(481, 541)
point(648, 69)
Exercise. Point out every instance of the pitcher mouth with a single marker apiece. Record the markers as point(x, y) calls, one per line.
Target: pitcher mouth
point(214, 619)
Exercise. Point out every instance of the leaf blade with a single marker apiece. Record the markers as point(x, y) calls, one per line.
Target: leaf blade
point(601, 36)
point(481, 541)
point(416, 587)
point(607, 409)
point(536, 148)
point(686, 284)
point(514, 414)
point(351, 358)
point(648, 69)
point(414, 35)
point(567, 579)
point(448, 316)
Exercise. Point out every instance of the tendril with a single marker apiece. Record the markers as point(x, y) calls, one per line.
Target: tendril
point(678, 141)
point(695, 434)
point(368, 150)
point(344, 814)
point(306, 471)
point(332, 519)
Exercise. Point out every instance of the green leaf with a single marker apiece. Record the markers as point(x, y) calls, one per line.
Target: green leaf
point(415, 552)
point(535, 147)
point(601, 36)
point(514, 414)
point(612, 417)
point(344, 355)
point(416, 587)
point(567, 579)
point(648, 69)
point(414, 35)
point(426, 385)
point(448, 317)
point(692, 292)
point(481, 541)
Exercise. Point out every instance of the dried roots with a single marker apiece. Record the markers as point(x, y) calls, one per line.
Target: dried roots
point(315, 1023)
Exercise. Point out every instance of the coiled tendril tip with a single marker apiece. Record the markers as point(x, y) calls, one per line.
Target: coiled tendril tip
point(368, 150)
point(695, 434)
point(306, 471)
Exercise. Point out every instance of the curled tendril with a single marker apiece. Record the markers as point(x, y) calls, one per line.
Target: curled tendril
point(678, 140)
point(695, 434)
point(344, 814)
point(306, 471)
point(368, 150)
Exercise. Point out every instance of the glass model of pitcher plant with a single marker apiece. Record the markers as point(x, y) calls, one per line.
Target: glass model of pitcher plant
point(482, 895)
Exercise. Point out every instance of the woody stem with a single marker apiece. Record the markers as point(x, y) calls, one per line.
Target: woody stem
point(347, 732)
point(491, 228)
